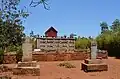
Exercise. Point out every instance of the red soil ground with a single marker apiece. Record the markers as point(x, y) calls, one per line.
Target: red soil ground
point(50, 70)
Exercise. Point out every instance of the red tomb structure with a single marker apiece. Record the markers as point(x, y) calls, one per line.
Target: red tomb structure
point(51, 32)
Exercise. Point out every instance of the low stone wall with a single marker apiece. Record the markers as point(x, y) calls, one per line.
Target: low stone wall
point(53, 56)
point(4, 68)
point(102, 54)
point(9, 59)
point(59, 56)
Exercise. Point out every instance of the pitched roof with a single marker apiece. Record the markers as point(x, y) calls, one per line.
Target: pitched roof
point(51, 28)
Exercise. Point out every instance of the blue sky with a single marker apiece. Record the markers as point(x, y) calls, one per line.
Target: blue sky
point(81, 17)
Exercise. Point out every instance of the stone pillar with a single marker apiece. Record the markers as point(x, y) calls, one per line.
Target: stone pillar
point(27, 66)
point(27, 50)
point(93, 50)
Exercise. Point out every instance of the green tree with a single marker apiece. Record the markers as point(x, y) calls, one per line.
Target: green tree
point(72, 35)
point(115, 25)
point(11, 23)
point(11, 28)
point(104, 27)
point(82, 43)
point(34, 3)
point(33, 39)
point(110, 40)
point(31, 34)
point(11, 17)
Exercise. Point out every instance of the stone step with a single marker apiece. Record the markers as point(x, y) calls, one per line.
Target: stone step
point(93, 61)
point(94, 67)
point(34, 71)
point(27, 64)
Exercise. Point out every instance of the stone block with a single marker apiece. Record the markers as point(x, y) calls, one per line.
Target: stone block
point(27, 68)
point(4, 68)
point(34, 71)
point(94, 67)
point(27, 64)
point(93, 61)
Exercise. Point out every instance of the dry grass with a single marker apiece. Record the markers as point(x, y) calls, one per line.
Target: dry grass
point(66, 65)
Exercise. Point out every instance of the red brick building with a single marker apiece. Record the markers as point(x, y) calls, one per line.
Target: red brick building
point(51, 32)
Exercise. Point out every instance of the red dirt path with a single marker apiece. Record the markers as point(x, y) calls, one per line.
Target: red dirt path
point(50, 70)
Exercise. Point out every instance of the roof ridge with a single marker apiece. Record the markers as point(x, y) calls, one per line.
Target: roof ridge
point(51, 28)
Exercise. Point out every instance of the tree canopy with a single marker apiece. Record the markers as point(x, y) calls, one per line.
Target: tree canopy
point(82, 43)
point(34, 3)
point(109, 40)
point(11, 18)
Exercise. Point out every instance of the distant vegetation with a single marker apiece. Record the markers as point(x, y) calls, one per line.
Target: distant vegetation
point(83, 43)
point(109, 39)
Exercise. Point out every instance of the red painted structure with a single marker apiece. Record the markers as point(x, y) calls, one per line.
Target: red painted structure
point(51, 32)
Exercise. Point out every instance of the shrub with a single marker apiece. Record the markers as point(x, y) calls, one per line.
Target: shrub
point(66, 65)
point(19, 54)
point(11, 48)
point(1, 56)
point(69, 66)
